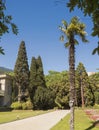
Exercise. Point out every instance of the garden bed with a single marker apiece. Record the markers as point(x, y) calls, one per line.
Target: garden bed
point(94, 116)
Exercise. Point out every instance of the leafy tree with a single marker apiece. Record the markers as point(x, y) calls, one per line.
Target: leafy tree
point(58, 82)
point(70, 31)
point(21, 71)
point(90, 8)
point(5, 22)
point(43, 99)
point(94, 81)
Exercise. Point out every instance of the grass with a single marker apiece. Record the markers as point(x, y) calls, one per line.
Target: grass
point(82, 122)
point(18, 114)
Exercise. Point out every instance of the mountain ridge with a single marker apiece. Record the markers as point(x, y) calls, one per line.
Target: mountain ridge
point(4, 70)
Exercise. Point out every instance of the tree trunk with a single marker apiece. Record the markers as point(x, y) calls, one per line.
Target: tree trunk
point(82, 94)
point(72, 81)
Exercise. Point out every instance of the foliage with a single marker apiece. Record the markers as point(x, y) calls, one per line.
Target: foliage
point(82, 80)
point(70, 30)
point(97, 97)
point(36, 77)
point(22, 105)
point(90, 8)
point(29, 105)
point(33, 82)
point(5, 22)
point(94, 81)
point(58, 83)
point(21, 70)
point(96, 106)
point(40, 74)
point(42, 99)
point(16, 105)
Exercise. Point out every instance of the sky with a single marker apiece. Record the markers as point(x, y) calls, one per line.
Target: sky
point(38, 22)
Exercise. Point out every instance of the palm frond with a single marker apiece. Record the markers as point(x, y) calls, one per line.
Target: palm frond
point(67, 44)
point(75, 20)
point(76, 42)
point(62, 29)
point(62, 38)
point(83, 37)
point(65, 24)
point(96, 50)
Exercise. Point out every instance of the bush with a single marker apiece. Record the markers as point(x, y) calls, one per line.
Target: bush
point(16, 106)
point(24, 106)
point(29, 105)
point(96, 106)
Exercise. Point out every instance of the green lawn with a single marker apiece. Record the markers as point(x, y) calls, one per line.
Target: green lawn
point(18, 114)
point(82, 122)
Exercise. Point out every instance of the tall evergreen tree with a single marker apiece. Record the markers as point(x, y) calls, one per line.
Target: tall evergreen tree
point(21, 71)
point(84, 91)
point(37, 79)
point(40, 73)
point(33, 75)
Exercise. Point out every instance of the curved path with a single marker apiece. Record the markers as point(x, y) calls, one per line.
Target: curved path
point(41, 122)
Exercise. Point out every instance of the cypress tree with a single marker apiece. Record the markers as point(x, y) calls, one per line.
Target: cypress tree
point(33, 75)
point(21, 71)
point(40, 73)
point(37, 82)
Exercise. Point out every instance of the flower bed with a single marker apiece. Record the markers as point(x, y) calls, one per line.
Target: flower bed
point(93, 115)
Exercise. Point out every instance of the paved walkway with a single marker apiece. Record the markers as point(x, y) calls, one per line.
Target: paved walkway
point(41, 122)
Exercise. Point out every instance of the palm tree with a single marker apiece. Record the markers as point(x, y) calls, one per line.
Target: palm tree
point(69, 31)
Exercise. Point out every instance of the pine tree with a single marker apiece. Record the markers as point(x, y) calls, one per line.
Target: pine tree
point(21, 71)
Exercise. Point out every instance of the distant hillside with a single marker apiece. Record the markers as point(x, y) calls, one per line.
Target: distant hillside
point(4, 70)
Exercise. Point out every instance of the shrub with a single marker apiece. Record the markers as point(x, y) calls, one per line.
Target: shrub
point(96, 106)
point(29, 105)
point(16, 106)
point(24, 106)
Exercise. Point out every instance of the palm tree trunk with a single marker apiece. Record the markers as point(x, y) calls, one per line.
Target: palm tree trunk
point(72, 81)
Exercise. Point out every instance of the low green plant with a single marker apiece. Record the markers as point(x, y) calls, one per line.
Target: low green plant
point(29, 105)
point(96, 106)
point(22, 105)
point(16, 105)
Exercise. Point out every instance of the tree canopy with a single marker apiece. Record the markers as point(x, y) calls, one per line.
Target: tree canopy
point(21, 69)
point(5, 22)
point(91, 8)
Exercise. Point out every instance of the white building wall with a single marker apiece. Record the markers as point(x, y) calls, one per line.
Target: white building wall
point(5, 82)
